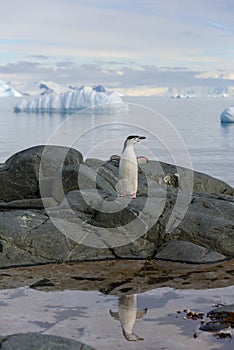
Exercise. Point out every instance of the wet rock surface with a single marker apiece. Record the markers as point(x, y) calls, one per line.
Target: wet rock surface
point(223, 314)
point(119, 277)
point(218, 323)
point(221, 318)
point(55, 208)
point(33, 341)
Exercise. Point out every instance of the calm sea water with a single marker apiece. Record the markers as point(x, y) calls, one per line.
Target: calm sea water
point(186, 132)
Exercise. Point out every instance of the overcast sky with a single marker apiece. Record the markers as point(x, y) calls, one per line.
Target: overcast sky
point(118, 43)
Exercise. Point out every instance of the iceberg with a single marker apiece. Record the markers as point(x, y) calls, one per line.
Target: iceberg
point(74, 100)
point(43, 87)
point(7, 91)
point(227, 116)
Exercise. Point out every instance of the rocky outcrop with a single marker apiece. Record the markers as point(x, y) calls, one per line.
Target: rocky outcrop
point(201, 182)
point(184, 251)
point(19, 176)
point(54, 208)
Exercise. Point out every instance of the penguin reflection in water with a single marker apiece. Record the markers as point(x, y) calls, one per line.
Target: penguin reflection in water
point(128, 168)
point(127, 315)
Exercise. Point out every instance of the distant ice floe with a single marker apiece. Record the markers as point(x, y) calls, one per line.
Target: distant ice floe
point(182, 96)
point(74, 100)
point(7, 91)
point(227, 116)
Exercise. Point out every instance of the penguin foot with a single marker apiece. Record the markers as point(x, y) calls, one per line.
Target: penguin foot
point(123, 194)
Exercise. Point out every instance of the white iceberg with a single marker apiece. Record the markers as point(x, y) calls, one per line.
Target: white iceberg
point(74, 100)
point(42, 87)
point(227, 116)
point(7, 91)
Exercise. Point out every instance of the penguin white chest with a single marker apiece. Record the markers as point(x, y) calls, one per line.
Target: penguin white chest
point(128, 168)
point(128, 172)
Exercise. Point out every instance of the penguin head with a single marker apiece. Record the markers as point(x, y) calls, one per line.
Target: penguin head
point(132, 139)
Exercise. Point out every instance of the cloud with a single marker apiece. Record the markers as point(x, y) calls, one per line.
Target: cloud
point(121, 43)
point(129, 79)
point(38, 57)
point(65, 64)
point(111, 28)
point(18, 67)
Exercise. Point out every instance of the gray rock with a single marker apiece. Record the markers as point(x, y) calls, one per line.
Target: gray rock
point(188, 252)
point(30, 237)
point(138, 249)
point(209, 222)
point(19, 177)
point(201, 182)
point(105, 169)
point(37, 341)
point(116, 214)
point(86, 221)
point(15, 227)
point(46, 156)
point(32, 203)
point(94, 163)
point(75, 177)
point(35, 236)
point(85, 202)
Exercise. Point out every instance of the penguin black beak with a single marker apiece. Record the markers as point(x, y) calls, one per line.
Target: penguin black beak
point(141, 137)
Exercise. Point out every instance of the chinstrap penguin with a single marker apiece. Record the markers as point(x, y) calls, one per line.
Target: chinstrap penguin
point(128, 168)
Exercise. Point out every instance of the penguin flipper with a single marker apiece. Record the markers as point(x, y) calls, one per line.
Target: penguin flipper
point(141, 313)
point(142, 160)
point(115, 315)
point(115, 159)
